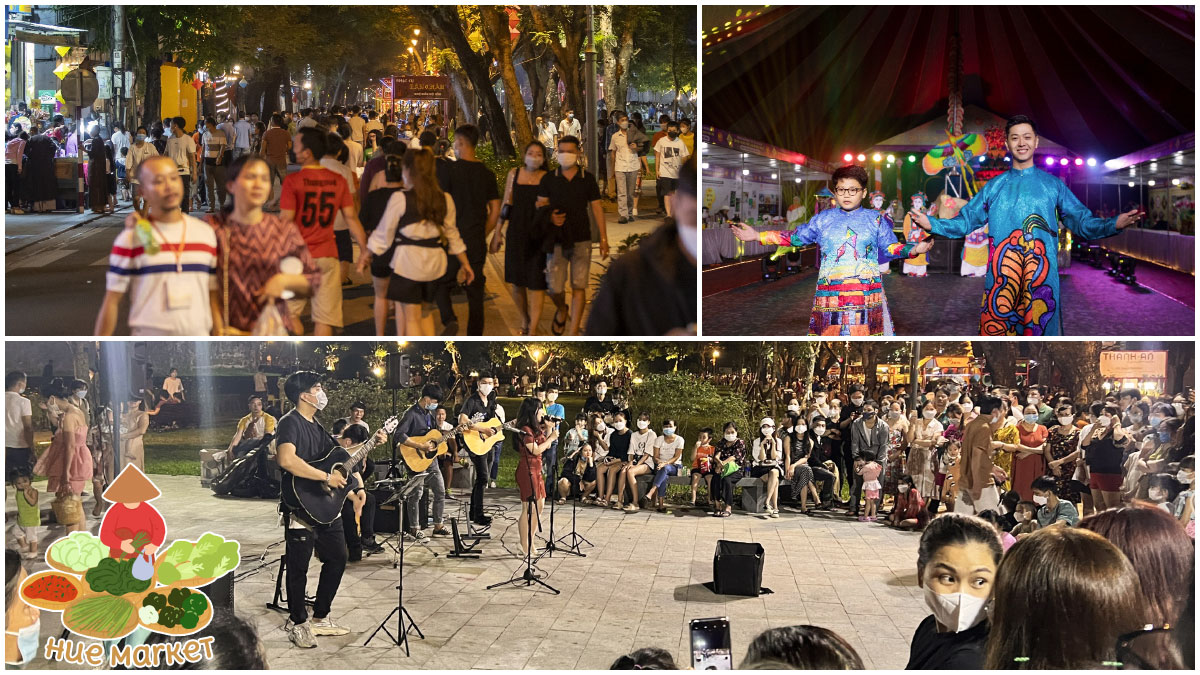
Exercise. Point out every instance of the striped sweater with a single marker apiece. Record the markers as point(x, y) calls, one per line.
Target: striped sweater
point(166, 296)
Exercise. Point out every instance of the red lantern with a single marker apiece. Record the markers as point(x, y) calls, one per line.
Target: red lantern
point(196, 84)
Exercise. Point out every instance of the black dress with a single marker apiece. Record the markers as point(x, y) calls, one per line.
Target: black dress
point(37, 180)
point(97, 175)
point(524, 261)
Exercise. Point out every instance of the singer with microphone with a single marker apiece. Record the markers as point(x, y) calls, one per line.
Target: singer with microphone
point(536, 436)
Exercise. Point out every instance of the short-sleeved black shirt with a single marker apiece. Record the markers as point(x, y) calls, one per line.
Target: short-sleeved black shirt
point(474, 405)
point(310, 438)
point(605, 407)
point(574, 197)
point(471, 185)
point(931, 650)
point(618, 445)
point(623, 307)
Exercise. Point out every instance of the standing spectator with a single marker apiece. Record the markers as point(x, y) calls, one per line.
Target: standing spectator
point(570, 193)
point(14, 162)
point(976, 489)
point(97, 172)
point(38, 182)
point(524, 260)
point(569, 126)
point(276, 143)
point(476, 210)
point(167, 268)
point(18, 427)
point(182, 149)
point(216, 158)
point(623, 157)
point(242, 130)
point(868, 443)
point(357, 124)
point(546, 132)
point(669, 155)
point(138, 153)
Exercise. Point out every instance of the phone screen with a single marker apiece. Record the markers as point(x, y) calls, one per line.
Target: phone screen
point(711, 648)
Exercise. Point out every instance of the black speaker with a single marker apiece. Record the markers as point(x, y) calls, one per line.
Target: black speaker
point(397, 371)
point(945, 256)
point(737, 568)
point(387, 516)
point(220, 592)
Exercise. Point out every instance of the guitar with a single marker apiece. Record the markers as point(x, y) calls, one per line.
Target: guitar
point(477, 444)
point(315, 501)
point(419, 460)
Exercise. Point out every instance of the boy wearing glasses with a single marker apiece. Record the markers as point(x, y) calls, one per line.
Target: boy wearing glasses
point(849, 299)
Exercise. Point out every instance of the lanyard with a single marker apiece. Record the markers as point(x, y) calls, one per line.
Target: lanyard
point(179, 248)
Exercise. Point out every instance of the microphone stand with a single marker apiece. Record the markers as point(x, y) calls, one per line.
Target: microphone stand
point(551, 542)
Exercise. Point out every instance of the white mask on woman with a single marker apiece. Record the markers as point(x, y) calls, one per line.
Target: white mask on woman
point(1066, 420)
point(619, 425)
point(956, 611)
point(731, 437)
point(929, 414)
point(642, 424)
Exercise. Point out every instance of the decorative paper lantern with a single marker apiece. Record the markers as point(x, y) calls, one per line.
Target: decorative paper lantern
point(196, 84)
point(59, 97)
point(242, 84)
point(62, 51)
point(62, 70)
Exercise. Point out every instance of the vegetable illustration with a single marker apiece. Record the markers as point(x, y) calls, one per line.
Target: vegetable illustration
point(103, 616)
point(52, 587)
point(209, 558)
point(115, 577)
point(80, 551)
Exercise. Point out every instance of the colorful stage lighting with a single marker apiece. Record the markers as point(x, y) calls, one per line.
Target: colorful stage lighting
point(912, 158)
point(1049, 161)
point(876, 157)
point(891, 158)
point(1130, 183)
point(862, 157)
point(1091, 161)
point(745, 172)
point(1063, 161)
point(1150, 182)
point(847, 158)
point(1078, 161)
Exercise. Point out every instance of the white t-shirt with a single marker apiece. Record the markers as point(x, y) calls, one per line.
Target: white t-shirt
point(669, 155)
point(138, 155)
point(16, 408)
point(569, 127)
point(344, 171)
point(626, 159)
point(305, 122)
point(664, 450)
point(417, 263)
point(598, 437)
point(163, 300)
point(357, 124)
point(759, 453)
point(180, 148)
point(641, 443)
point(120, 139)
point(546, 134)
point(355, 161)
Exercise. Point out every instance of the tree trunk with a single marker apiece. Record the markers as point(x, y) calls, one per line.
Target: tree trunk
point(566, 53)
point(608, 54)
point(624, 56)
point(536, 72)
point(463, 96)
point(1078, 366)
point(495, 30)
point(152, 112)
point(444, 20)
point(1001, 361)
point(870, 359)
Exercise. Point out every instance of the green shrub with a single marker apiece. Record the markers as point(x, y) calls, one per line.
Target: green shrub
point(375, 395)
point(499, 166)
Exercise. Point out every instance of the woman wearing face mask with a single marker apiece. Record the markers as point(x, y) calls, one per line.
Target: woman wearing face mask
point(1185, 503)
point(1169, 448)
point(797, 451)
point(641, 461)
point(909, 511)
point(923, 434)
point(893, 468)
point(1053, 569)
point(599, 434)
point(22, 622)
point(667, 459)
point(1028, 459)
point(1103, 445)
point(67, 463)
point(729, 455)
point(608, 475)
point(1138, 416)
point(138, 152)
point(1063, 453)
point(956, 565)
point(524, 261)
point(767, 456)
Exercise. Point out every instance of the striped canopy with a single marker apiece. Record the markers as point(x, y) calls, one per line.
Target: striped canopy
point(1101, 80)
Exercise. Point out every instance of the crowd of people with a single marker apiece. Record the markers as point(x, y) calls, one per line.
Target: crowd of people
point(415, 207)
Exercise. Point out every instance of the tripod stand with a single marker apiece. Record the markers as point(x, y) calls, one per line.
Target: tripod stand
point(400, 638)
point(571, 540)
point(528, 577)
point(551, 543)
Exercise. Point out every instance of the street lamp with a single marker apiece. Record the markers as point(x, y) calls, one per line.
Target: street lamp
point(537, 360)
point(715, 353)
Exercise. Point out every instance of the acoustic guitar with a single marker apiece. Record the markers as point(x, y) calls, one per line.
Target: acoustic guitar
point(420, 460)
point(477, 444)
point(315, 502)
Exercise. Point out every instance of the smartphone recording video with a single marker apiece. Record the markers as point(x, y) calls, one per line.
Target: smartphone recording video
point(711, 648)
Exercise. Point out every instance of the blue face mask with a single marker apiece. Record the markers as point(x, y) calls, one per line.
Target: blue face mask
point(1164, 436)
point(1155, 420)
point(431, 407)
point(141, 137)
point(668, 431)
point(1030, 419)
point(27, 642)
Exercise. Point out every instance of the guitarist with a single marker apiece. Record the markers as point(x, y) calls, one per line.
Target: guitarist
point(418, 421)
point(483, 402)
point(300, 438)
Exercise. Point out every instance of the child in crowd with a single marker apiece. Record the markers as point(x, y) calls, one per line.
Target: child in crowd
point(1027, 523)
point(1006, 539)
point(1162, 490)
point(909, 511)
point(1185, 506)
point(702, 467)
point(29, 515)
point(872, 488)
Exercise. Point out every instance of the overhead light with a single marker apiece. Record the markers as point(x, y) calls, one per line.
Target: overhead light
point(1049, 161)
point(1174, 181)
point(1130, 183)
point(1154, 166)
point(876, 157)
point(798, 179)
point(847, 157)
point(912, 158)
point(1091, 161)
point(1064, 161)
point(1150, 182)
point(891, 158)
point(745, 172)
point(1132, 171)
point(796, 167)
point(774, 176)
point(704, 165)
point(862, 157)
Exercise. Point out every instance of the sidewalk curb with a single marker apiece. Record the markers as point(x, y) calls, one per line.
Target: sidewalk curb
point(68, 228)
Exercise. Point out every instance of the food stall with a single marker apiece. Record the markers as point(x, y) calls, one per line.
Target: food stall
point(1143, 370)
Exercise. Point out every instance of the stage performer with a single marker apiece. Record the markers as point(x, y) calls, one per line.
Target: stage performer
point(484, 404)
point(1022, 208)
point(915, 266)
point(419, 420)
point(849, 298)
point(535, 438)
point(876, 200)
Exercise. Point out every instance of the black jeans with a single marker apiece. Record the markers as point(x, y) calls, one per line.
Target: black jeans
point(482, 471)
point(329, 543)
point(475, 293)
point(355, 536)
point(12, 186)
point(824, 475)
point(445, 286)
point(727, 485)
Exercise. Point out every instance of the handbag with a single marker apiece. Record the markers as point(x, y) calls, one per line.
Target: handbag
point(731, 467)
point(68, 509)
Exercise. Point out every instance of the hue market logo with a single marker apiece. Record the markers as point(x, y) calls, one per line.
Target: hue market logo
point(127, 580)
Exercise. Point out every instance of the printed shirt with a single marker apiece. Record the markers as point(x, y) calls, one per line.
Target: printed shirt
point(316, 195)
point(669, 156)
point(169, 289)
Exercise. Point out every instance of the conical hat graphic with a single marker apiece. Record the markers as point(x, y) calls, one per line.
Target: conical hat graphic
point(131, 486)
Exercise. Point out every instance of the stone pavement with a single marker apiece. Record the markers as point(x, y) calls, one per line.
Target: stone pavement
point(639, 586)
point(948, 305)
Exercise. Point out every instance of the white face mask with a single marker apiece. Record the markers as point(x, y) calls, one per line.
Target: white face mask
point(81, 394)
point(601, 391)
point(1178, 409)
point(956, 611)
point(619, 425)
point(601, 428)
point(929, 414)
point(532, 163)
point(1066, 420)
point(1184, 477)
point(552, 397)
point(322, 399)
point(902, 488)
point(1024, 517)
point(486, 389)
point(819, 431)
point(731, 437)
point(1104, 420)
point(1156, 494)
point(668, 431)
point(893, 414)
point(793, 408)
point(1040, 500)
point(567, 159)
point(857, 400)
point(767, 431)
point(800, 428)
point(642, 424)
point(27, 642)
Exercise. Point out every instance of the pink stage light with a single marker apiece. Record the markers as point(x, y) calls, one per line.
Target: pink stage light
point(1049, 161)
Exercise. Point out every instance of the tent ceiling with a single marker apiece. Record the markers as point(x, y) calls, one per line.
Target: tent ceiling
point(1101, 80)
point(724, 158)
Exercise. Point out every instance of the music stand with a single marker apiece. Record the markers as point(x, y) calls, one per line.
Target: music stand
point(551, 543)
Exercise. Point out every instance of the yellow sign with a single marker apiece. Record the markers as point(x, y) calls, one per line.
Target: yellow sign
point(62, 50)
point(1133, 364)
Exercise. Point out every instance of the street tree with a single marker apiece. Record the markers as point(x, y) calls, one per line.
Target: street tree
point(494, 22)
point(564, 29)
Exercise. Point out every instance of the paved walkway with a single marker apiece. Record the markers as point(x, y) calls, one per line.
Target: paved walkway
point(948, 305)
point(639, 586)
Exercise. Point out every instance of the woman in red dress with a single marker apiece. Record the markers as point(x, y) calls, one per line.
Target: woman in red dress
point(532, 443)
point(1030, 460)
